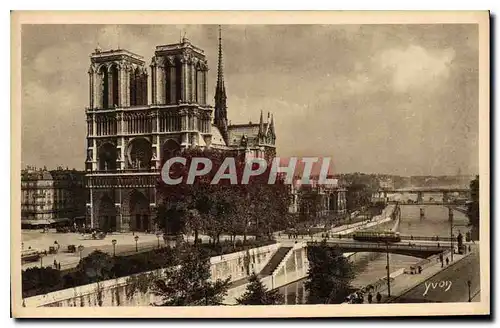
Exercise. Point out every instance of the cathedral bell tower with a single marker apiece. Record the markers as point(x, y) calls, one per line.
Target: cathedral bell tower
point(179, 96)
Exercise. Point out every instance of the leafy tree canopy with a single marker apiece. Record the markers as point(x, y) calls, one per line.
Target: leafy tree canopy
point(329, 275)
point(223, 208)
point(190, 283)
point(257, 294)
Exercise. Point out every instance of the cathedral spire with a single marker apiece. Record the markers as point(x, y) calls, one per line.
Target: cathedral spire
point(261, 123)
point(220, 67)
point(220, 119)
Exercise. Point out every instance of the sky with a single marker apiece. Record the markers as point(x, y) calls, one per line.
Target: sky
point(393, 99)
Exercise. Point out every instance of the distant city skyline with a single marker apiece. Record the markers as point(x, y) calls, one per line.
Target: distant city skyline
point(390, 99)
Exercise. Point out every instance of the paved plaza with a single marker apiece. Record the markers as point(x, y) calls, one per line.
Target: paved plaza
point(125, 244)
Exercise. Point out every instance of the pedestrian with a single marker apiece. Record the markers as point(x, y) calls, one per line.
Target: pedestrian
point(379, 297)
point(370, 298)
point(55, 264)
point(469, 248)
point(447, 261)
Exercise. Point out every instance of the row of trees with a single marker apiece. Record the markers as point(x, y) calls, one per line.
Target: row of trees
point(256, 208)
point(473, 208)
point(97, 266)
point(360, 188)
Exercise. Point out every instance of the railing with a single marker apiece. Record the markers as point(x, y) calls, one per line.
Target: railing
point(117, 171)
point(365, 245)
point(403, 238)
point(424, 238)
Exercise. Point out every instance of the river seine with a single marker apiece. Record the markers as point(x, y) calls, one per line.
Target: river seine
point(435, 223)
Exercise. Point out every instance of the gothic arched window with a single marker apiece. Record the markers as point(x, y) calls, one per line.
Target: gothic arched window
point(104, 87)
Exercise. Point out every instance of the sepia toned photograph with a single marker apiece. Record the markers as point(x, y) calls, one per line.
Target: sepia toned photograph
point(255, 165)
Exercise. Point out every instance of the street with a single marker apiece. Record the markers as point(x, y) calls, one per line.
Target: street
point(125, 245)
point(449, 285)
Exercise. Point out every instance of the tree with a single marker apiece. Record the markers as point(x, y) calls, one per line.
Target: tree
point(309, 202)
point(97, 266)
point(257, 294)
point(473, 208)
point(40, 281)
point(223, 207)
point(360, 188)
point(329, 275)
point(189, 283)
point(169, 218)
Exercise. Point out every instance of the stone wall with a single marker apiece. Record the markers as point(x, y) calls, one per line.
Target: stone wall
point(293, 267)
point(234, 264)
point(118, 292)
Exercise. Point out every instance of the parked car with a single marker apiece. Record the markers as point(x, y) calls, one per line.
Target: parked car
point(30, 255)
point(53, 249)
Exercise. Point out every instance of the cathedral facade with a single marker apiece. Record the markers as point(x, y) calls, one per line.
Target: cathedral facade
point(129, 137)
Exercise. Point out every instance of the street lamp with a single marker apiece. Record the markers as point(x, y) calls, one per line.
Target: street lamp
point(388, 270)
point(114, 247)
point(41, 260)
point(158, 235)
point(80, 249)
point(136, 239)
point(468, 285)
point(450, 217)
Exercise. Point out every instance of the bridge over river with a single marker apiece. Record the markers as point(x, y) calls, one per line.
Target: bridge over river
point(446, 194)
point(418, 246)
point(416, 249)
point(413, 229)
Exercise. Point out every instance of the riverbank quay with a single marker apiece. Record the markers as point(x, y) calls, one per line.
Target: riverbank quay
point(404, 280)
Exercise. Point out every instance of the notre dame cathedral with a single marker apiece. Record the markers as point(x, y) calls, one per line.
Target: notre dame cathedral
point(128, 138)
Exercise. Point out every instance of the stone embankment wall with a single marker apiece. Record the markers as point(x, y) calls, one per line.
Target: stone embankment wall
point(119, 292)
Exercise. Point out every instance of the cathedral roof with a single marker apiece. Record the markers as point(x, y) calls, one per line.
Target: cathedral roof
point(217, 138)
point(237, 131)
